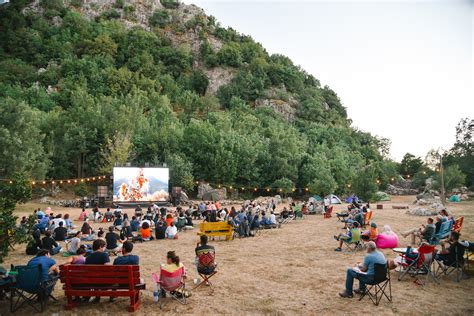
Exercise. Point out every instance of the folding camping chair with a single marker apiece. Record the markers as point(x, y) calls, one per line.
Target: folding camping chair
point(328, 212)
point(367, 217)
point(421, 264)
point(379, 285)
point(173, 283)
point(354, 243)
point(444, 232)
point(447, 268)
point(28, 288)
point(206, 267)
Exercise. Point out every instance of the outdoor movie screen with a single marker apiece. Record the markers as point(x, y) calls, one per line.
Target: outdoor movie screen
point(133, 184)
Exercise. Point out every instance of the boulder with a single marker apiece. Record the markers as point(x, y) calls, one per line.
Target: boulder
point(206, 192)
point(419, 211)
point(396, 190)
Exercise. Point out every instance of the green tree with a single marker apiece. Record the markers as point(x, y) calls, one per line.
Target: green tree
point(159, 18)
point(181, 171)
point(364, 183)
point(410, 165)
point(453, 178)
point(283, 185)
point(230, 55)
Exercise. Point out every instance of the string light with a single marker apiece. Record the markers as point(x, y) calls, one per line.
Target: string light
point(349, 186)
point(11, 181)
point(93, 178)
point(268, 190)
point(255, 189)
point(44, 182)
point(33, 183)
point(243, 188)
point(293, 190)
point(82, 180)
point(306, 189)
point(68, 181)
point(61, 182)
point(53, 182)
point(230, 187)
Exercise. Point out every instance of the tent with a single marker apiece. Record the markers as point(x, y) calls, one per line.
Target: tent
point(352, 198)
point(454, 198)
point(314, 199)
point(382, 196)
point(333, 199)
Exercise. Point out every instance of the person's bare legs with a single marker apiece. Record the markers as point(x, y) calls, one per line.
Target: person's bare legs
point(409, 232)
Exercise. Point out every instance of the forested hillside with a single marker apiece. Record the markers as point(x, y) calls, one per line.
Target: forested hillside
point(84, 86)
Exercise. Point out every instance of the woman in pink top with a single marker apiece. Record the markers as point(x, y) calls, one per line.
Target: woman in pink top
point(80, 258)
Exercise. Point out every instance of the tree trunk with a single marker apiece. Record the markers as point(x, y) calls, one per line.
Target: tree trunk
point(441, 175)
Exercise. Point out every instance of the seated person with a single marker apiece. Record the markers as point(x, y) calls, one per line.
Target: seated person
point(109, 216)
point(100, 234)
point(118, 211)
point(455, 252)
point(363, 272)
point(370, 234)
point(75, 243)
point(171, 232)
point(49, 269)
point(273, 220)
point(127, 258)
point(172, 262)
point(79, 258)
point(134, 224)
point(255, 223)
point(50, 244)
point(438, 221)
point(83, 215)
point(205, 256)
point(60, 233)
point(118, 222)
point(68, 222)
point(126, 231)
point(189, 219)
point(160, 230)
point(34, 245)
point(87, 232)
point(284, 214)
point(145, 232)
point(138, 212)
point(114, 243)
point(99, 255)
point(423, 232)
point(352, 234)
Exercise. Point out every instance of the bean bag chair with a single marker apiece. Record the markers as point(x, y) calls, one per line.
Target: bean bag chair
point(386, 241)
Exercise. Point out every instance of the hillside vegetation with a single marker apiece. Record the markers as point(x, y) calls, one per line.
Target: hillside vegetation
point(87, 85)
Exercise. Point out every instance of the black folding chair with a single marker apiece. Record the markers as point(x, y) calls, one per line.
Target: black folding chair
point(29, 289)
point(447, 268)
point(377, 288)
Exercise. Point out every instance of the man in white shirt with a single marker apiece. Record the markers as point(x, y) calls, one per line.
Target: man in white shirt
point(273, 220)
point(55, 223)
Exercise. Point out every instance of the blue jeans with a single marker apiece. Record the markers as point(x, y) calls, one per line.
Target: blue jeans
point(363, 279)
point(55, 250)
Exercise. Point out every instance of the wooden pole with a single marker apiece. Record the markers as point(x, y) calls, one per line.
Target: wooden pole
point(441, 175)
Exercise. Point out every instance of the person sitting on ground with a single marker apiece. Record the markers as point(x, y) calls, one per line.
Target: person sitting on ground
point(370, 234)
point(50, 244)
point(118, 211)
point(68, 222)
point(189, 219)
point(127, 258)
point(79, 258)
point(101, 235)
point(55, 222)
point(364, 272)
point(49, 269)
point(272, 219)
point(126, 231)
point(114, 243)
point(118, 222)
point(455, 252)
point(205, 256)
point(83, 215)
point(134, 224)
point(255, 223)
point(160, 230)
point(75, 243)
point(169, 219)
point(87, 231)
point(60, 233)
point(353, 233)
point(109, 216)
point(171, 232)
point(145, 232)
point(423, 232)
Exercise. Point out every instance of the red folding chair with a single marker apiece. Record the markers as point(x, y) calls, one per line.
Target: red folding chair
point(419, 265)
point(206, 267)
point(328, 212)
point(173, 283)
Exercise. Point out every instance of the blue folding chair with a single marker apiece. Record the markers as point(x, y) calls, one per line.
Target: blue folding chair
point(29, 289)
point(444, 232)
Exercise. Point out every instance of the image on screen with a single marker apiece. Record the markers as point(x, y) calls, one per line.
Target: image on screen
point(133, 184)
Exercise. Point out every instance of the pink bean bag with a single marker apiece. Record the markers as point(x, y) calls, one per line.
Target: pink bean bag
point(386, 241)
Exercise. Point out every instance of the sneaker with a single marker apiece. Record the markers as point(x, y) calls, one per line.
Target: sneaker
point(336, 237)
point(338, 249)
point(360, 292)
point(345, 295)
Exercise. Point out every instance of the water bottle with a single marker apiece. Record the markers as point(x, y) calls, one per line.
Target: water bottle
point(155, 293)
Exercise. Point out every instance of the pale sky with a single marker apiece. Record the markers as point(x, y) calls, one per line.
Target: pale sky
point(404, 69)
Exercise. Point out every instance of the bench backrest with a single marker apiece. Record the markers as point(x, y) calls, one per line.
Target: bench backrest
point(215, 226)
point(100, 276)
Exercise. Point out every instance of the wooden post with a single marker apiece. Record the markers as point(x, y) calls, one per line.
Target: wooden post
point(441, 175)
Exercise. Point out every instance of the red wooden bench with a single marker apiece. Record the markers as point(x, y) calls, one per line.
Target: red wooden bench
point(101, 280)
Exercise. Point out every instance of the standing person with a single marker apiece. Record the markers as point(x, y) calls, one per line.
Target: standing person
point(50, 244)
point(138, 212)
point(127, 258)
point(363, 272)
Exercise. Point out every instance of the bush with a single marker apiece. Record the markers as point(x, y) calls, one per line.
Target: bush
point(77, 3)
point(170, 4)
point(159, 18)
point(230, 55)
point(119, 4)
point(81, 190)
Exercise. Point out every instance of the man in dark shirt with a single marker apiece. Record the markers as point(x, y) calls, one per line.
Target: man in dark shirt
point(454, 253)
point(112, 240)
point(127, 258)
point(160, 230)
point(60, 233)
point(205, 256)
point(98, 256)
point(50, 244)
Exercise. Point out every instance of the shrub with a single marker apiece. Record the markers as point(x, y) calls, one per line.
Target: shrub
point(81, 190)
point(170, 4)
point(230, 55)
point(119, 4)
point(159, 18)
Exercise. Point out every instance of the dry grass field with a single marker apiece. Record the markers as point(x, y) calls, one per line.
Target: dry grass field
point(292, 270)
